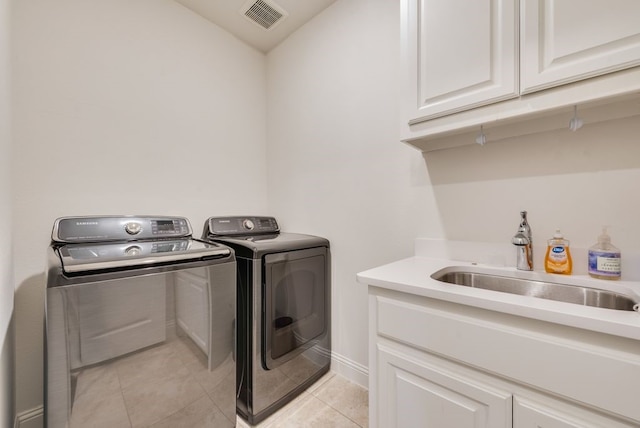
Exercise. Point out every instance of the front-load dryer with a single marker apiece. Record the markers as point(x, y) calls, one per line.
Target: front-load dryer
point(283, 335)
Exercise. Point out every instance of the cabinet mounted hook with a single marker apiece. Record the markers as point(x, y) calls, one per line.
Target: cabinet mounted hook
point(481, 138)
point(575, 123)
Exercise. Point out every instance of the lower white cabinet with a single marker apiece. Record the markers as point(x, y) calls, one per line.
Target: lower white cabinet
point(439, 364)
point(419, 393)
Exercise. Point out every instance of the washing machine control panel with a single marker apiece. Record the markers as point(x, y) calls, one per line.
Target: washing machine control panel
point(250, 225)
point(114, 228)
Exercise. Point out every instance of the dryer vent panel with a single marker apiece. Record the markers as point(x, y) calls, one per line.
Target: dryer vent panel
point(264, 13)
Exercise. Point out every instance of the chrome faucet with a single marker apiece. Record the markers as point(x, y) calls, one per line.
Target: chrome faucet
point(524, 243)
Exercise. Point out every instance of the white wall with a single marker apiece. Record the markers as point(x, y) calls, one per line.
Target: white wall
point(6, 258)
point(336, 167)
point(124, 107)
point(575, 181)
point(103, 89)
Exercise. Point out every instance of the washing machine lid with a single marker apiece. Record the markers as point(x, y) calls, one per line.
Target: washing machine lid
point(97, 243)
point(91, 257)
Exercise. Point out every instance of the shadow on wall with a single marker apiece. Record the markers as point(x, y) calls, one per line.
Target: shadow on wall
point(564, 179)
point(29, 339)
point(599, 147)
point(7, 380)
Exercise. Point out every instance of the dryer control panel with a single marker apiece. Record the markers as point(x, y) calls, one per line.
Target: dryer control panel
point(235, 226)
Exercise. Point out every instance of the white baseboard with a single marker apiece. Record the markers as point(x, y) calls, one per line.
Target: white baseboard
point(33, 418)
point(350, 369)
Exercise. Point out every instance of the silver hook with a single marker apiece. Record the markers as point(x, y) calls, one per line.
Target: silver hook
point(481, 138)
point(575, 123)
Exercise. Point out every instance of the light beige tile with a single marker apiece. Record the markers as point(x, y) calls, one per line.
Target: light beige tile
point(273, 385)
point(201, 414)
point(188, 352)
point(300, 369)
point(317, 384)
point(108, 412)
point(210, 379)
point(285, 412)
point(346, 397)
point(303, 411)
point(152, 400)
point(223, 393)
point(313, 413)
point(154, 363)
point(96, 382)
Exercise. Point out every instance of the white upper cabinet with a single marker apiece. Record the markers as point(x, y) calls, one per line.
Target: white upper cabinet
point(462, 54)
point(569, 40)
point(514, 66)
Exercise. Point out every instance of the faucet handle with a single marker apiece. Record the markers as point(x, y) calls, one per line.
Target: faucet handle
point(524, 225)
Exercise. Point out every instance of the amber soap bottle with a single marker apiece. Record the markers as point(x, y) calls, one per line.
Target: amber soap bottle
point(558, 257)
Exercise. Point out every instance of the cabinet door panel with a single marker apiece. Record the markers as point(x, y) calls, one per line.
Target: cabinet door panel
point(417, 394)
point(569, 40)
point(461, 54)
point(547, 413)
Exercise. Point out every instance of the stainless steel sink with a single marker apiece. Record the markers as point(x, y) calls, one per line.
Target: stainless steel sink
point(544, 290)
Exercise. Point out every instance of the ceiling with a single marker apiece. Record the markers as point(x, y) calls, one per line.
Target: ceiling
point(230, 15)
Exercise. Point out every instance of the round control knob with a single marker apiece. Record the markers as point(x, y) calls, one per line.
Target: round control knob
point(133, 250)
point(133, 228)
point(248, 224)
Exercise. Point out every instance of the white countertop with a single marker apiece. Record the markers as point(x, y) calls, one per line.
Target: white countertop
point(413, 276)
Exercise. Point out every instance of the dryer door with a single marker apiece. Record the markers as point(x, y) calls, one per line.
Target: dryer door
point(296, 298)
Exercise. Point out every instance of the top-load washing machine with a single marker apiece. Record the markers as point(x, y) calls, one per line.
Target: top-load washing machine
point(284, 286)
point(139, 325)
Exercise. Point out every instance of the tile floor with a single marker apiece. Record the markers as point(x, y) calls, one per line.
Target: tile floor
point(164, 386)
point(332, 401)
point(168, 386)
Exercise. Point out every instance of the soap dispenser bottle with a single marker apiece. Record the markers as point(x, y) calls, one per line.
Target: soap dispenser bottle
point(604, 258)
point(558, 257)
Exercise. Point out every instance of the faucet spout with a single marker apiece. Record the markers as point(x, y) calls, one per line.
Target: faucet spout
point(524, 244)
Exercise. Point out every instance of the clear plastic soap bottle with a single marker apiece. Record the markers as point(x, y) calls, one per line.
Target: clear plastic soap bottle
point(558, 257)
point(604, 258)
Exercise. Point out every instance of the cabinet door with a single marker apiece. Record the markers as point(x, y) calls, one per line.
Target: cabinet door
point(414, 393)
point(545, 412)
point(569, 40)
point(459, 54)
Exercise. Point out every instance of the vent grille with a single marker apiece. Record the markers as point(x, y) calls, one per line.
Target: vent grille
point(265, 14)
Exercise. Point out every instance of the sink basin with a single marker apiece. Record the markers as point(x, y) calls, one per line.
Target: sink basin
point(544, 290)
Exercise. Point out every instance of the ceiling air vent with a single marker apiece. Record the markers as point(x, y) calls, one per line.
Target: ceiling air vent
point(266, 14)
